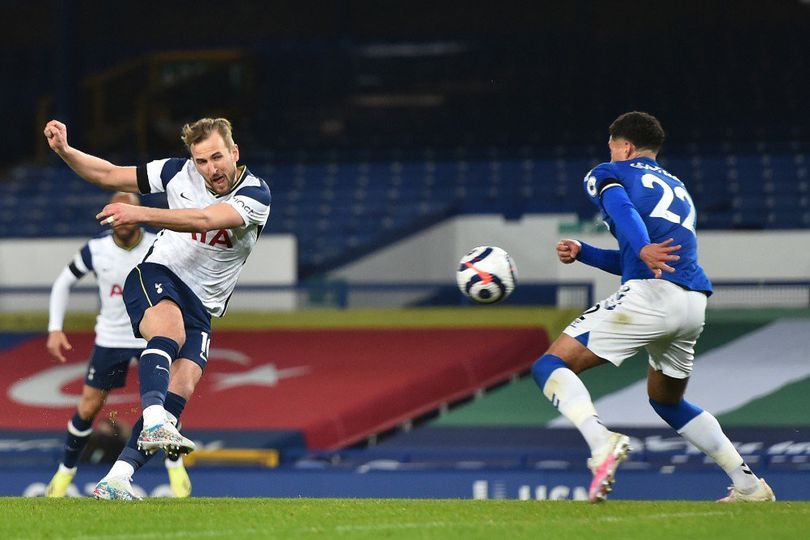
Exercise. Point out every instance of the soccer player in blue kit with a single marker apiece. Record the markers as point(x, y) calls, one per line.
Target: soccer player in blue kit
point(660, 306)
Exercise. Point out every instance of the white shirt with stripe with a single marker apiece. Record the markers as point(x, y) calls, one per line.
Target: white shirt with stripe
point(208, 263)
point(111, 264)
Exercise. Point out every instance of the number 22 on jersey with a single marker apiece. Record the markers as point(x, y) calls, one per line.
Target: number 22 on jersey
point(662, 209)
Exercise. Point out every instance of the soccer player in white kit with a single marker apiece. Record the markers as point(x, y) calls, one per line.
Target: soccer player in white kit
point(110, 257)
point(216, 212)
point(660, 307)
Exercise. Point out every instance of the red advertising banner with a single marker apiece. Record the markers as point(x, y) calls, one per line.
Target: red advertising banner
point(335, 386)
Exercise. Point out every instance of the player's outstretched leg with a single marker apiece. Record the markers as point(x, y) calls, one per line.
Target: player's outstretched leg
point(158, 432)
point(568, 394)
point(703, 430)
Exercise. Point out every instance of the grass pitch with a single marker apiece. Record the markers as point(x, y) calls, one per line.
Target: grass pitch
point(85, 518)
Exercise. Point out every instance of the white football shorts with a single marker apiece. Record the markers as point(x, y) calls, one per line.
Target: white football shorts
point(652, 313)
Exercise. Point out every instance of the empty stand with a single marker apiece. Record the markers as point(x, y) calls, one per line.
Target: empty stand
point(342, 209)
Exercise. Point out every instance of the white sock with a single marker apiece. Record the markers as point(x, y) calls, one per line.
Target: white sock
point(120, 468)
point(69, 470)
point(705, 433)
point(153, 415)
point(568, 394)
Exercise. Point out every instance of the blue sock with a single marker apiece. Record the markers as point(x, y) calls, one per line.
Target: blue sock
point(677, 415)
point(78, 432)
point(174, 405)
point(155, 362)
point(543, 368)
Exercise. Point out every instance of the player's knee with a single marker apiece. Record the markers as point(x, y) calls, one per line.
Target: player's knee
point(164, 319)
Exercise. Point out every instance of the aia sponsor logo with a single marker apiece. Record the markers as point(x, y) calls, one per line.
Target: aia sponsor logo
point(116, 290)
point(221, 237)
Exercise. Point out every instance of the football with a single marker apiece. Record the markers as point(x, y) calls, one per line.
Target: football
point(486, 275)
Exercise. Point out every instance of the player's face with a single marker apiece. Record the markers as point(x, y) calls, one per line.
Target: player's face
point(620, 149)
point(216, 162)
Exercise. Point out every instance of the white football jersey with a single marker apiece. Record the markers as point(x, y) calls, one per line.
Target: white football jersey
point(111, 265)
point(208, 263)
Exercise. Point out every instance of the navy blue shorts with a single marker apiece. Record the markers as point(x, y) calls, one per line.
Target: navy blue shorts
point(149, 283)
point(109, 367)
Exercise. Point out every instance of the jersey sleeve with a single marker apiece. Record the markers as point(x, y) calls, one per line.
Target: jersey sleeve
point(252, 203)
point(82, 262)
point(156, 175)
point(599, 179)
point(60, 290)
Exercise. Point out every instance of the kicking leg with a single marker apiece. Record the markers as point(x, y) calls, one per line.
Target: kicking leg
point(162, 325)
point(556, 375)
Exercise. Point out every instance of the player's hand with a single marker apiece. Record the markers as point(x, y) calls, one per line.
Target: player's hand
point(567, 250)
point(56, 135)
point(58, 341)
point(119, 214)
point(656, 257)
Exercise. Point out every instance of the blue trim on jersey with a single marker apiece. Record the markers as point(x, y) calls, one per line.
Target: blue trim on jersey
point(87, 257)
point(677, 415)
point(627, 221)
point(609, 260)
point(170, 169)
point(259, 193)
point(584, 338)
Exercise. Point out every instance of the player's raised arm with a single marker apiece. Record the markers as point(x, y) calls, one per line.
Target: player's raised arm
point(216, 216)
point(93, 169)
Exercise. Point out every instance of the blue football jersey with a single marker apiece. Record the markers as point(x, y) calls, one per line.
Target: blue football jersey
point(667, 210)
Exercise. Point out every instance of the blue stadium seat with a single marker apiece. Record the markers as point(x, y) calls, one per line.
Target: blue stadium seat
point(337, 208)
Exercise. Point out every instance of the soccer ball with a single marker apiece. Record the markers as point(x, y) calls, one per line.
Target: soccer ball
point(486, 275)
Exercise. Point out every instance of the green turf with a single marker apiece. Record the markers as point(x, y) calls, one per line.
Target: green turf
point(397, 518)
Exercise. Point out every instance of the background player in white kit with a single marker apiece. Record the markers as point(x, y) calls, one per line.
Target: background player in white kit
point(110, 258)
point(660, 307)
point(217, 210)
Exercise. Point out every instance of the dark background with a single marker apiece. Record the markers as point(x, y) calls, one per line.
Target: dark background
point(372, 76)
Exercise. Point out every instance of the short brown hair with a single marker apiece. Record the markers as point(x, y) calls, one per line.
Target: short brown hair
point(640, 128)
point(202, 129)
